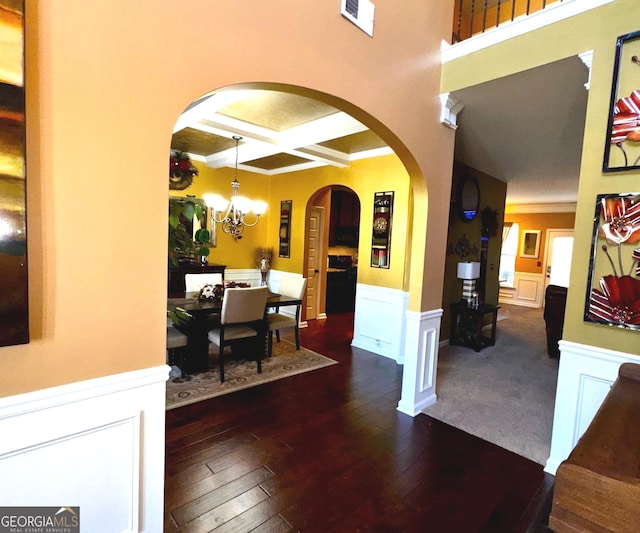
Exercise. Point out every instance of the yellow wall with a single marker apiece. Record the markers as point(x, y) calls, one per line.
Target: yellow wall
point(364, 177)
point(595, 30)
point(105, 83)
point(542, 222)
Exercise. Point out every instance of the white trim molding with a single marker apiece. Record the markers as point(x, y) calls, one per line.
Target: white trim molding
point(378, 321)
point(587, 59)
point(449, 111)
point(97, 444)
point(522, 209)
point(585, 375)
point(422, 334)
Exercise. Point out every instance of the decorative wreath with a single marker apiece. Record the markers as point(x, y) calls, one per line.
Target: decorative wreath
point(181, 171)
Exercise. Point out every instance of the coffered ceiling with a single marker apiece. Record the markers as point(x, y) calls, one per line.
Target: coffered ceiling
point(280, 132)
point(524, 129)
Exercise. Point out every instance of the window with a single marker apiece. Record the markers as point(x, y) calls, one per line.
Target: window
point(508, 254)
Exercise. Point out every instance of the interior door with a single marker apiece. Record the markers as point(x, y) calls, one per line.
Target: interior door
point(557, 255)
point(314, 258)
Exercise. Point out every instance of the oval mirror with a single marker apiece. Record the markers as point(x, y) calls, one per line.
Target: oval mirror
point(469, 199)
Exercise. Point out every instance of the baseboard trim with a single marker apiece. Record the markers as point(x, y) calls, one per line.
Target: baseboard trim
point(413, 409)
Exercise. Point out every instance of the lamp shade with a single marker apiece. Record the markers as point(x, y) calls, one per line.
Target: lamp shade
point(469, 270)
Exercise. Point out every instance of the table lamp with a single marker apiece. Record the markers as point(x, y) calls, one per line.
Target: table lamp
point(468, 272)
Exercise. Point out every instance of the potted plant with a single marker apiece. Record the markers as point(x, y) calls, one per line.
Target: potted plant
point(184, 245)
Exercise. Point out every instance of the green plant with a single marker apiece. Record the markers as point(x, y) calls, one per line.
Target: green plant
point(184, 245)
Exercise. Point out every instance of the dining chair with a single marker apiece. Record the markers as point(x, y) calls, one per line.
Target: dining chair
point(176, 341)
point(195, 282)
point(241, 317)
point(292, 287)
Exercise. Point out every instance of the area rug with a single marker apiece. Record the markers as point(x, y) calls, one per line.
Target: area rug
point(285, 361)
point(504, 394)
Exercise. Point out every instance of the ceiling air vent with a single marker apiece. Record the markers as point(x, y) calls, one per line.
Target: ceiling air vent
point(360, 12)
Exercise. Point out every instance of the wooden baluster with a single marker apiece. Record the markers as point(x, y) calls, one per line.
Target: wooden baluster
point(513, 9)
point(457, 37)
point(498, 14)
point(484, 16)
point(528, 6)
point(473, 8)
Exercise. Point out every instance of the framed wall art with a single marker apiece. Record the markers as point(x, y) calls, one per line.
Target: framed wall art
point(613, 285)
point(530, 243)
point(622, 149)
point(285, 229)
point(14, 311)
point(382, 221)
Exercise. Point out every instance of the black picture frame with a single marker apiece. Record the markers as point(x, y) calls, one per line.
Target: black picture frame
point(613, 283)
point(622, 149)
point(284, 236)
point(381, 229)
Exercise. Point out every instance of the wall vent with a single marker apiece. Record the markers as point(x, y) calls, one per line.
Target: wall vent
point(360, 12)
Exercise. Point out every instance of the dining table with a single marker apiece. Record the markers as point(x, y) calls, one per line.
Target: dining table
point(204, 316)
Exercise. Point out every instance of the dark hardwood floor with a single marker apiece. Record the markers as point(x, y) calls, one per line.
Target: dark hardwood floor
point(326, 451)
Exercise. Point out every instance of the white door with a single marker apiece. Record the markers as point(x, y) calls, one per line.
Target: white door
point(558, 257)
point(314, 261)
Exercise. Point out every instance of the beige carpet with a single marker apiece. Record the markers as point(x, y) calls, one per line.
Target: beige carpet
point(504, 394)
point(286, 361)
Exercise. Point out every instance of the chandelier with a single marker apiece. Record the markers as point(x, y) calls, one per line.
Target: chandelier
point(230, 214)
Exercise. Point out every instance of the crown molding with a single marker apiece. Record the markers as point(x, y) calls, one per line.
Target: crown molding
point(567, 207)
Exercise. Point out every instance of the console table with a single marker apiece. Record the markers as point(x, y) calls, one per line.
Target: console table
point(467, 323)
point(176, 275)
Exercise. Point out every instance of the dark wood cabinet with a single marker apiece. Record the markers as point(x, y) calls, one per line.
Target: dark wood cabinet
point(341, 291)
point(344, 221)
point(175, 283)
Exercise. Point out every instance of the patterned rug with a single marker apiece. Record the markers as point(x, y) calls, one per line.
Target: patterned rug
point(241, 374)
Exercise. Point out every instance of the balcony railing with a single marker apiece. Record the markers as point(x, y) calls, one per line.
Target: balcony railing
point(472, 17)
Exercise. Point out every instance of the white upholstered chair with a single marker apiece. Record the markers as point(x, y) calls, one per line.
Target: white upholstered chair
point(293, 287)
point(195, 282)
point(176, 341)
point(241, 317)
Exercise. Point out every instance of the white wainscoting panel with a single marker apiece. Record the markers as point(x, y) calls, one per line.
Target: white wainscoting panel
point(379, 321)
point(244, 275)
point(421, 361)
point(96, 444)
point(585, 375)
point(528, 290)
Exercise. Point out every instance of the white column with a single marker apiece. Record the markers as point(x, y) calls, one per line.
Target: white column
point(422, 337)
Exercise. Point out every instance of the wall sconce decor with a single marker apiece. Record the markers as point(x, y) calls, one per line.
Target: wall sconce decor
point(285, 229)
point(621, 150)
point(613, 285)
point(382, 219)
point(469, 272)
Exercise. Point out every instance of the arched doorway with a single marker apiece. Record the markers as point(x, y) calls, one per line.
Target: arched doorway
point(283, 158)
point(331, 251)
